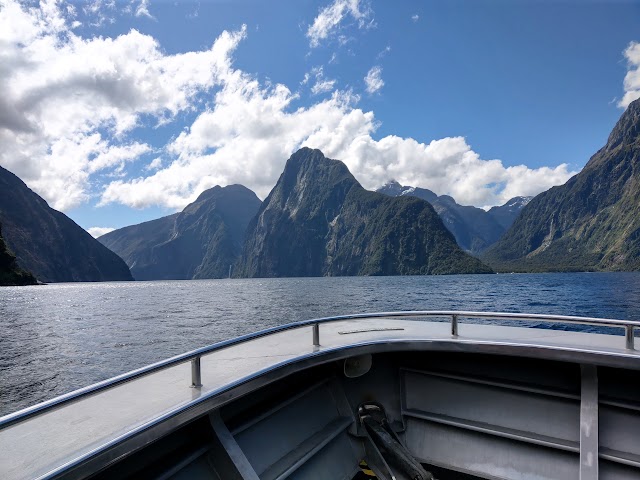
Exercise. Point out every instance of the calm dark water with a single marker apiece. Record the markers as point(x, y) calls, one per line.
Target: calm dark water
point(57, 338)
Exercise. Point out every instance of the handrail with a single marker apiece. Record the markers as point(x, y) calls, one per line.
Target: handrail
point(195, 355)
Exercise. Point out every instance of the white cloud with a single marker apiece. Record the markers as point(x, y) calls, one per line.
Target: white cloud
point(373, 80)
point(142, 10)
point(69, 102)
point(447, 166)
point(321, 84)
point(154, 165)
point(415, 17)
point(251, 130)
point(328, 21)
point(96, 232)
point(101, 12)
point(70, 106)
point(632, 78)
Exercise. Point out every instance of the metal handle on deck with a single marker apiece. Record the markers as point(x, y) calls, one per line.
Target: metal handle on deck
point(196, 373)
point(629, 337)
point(454, 325)
point(316, 334)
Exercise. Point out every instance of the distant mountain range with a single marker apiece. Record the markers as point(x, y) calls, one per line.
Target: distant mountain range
point(592, 222)
point(49, 244)
point(202, 241)
point(319, 221)
point(473, 228)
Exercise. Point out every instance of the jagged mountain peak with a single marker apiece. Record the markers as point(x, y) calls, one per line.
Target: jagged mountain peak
point(518, 201)
point(318, 220)
point(395, 189)
point(217, 191)
point(304, 158)
point(392, 183)
point(627, 129)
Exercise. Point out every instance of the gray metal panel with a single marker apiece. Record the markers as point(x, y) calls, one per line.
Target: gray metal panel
point(199, 469)
point(195, 465)
point(487, 456)
point(589, 424)
point(382, 385)
point(307, 451)
point(338, 460)
point(510, 433)
point(542, 415)
point(620, 430)
point(230, 461)
point(615, 471)
point(273, 437)
point(622, 458)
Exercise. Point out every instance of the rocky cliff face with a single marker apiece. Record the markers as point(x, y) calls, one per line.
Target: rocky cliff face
point(473, 228)
point(590, 223)
point(319, 221)
point(10, 272)
point(48, 243)
point(202, 241)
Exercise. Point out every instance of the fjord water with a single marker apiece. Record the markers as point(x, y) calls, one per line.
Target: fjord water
point(60, 337)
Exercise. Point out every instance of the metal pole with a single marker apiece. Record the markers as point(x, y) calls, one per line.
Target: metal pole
point(316, 334)
point(454, 325)
point(628, 331)
point(589, 423)
point(196, 376)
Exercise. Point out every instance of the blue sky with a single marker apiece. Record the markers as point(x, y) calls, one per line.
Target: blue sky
point(479, 100)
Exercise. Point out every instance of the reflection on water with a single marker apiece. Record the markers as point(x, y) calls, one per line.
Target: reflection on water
point(56, 338)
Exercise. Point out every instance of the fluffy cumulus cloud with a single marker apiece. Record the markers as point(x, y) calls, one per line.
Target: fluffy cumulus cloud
point(71, 105)
point(69, 102)
point(251, 131)
point(373, 80)
point(330, 18)
point(632, 79)
point(446, 166)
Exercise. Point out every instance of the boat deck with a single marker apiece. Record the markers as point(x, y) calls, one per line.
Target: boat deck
point(48, 442)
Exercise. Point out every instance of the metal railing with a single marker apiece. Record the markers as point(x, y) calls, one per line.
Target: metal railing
point(195, 356)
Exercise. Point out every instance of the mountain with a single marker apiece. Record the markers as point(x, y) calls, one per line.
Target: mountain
point(48, 243)
point(506, 214)
point(592, 222)
point(10, 272)
point(473, 228)
point(202, 241)
point(394, 189)
point(134, 244)
point(319, 221)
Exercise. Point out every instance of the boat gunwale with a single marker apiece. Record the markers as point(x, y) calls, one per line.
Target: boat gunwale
point(15, 417)
point(224, 394)
point(268, 375)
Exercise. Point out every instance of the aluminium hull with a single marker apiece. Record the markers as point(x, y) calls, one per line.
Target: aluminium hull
point(112, 426)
